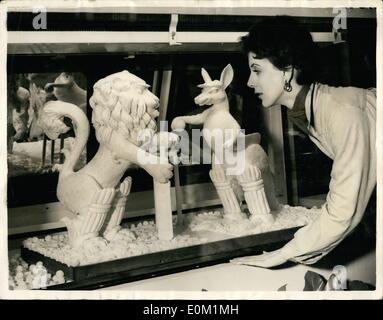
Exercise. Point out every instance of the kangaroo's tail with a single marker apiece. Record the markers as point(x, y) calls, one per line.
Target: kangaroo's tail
point(51, 120)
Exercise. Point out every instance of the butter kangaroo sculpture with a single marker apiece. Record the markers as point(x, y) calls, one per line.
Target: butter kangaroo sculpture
point(122, 107)
point(220, 125)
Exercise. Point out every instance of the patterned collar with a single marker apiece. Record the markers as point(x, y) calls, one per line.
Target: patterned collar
point(298, 109)
point(297, 114)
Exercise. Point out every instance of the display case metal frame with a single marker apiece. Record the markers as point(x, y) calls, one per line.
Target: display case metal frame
point(45, 216)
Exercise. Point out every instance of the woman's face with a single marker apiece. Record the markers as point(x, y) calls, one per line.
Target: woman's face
point(266, 80)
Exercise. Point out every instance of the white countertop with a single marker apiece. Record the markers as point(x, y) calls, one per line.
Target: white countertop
point(230, 277)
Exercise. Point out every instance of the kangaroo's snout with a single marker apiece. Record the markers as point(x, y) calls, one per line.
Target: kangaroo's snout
point(202, 100)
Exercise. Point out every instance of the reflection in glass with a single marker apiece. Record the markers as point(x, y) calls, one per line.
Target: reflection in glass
point(29, 150)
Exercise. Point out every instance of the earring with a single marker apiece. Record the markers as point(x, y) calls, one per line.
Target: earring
point(287, 86)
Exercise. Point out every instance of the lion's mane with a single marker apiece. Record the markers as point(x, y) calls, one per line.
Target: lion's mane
point(122, 103)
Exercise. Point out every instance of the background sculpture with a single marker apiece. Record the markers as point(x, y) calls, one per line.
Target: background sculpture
point(17, 113)
point(219, 125)
point(66, 89)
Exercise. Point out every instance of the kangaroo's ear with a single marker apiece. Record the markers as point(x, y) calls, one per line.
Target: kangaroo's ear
point(205, 76)
point(227, 76)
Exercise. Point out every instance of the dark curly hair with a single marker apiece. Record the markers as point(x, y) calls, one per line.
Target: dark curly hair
point(284, 42)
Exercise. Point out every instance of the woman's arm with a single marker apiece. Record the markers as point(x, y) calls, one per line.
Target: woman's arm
point(353, 178)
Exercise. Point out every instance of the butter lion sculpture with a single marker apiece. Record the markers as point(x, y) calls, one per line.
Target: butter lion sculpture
point(122, 107)
point(219, 125)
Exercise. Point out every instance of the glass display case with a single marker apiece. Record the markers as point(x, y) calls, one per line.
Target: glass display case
point(167, 51)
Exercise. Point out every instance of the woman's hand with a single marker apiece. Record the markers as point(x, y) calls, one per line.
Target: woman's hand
point(265, 260)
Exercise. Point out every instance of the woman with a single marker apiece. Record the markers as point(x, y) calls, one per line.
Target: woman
point(341, 121)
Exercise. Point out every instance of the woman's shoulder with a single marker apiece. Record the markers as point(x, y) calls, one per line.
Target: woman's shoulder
point(336, 107)
point(342, 96)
